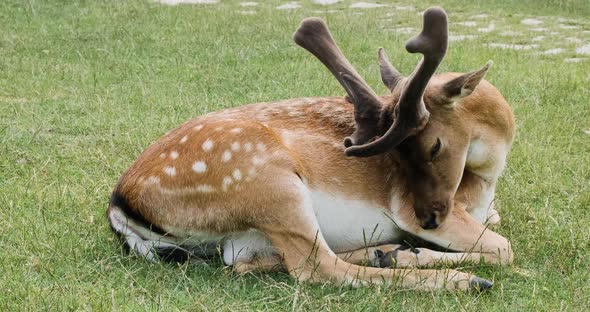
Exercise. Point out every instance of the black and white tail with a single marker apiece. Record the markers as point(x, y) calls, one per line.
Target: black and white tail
point(147, 240)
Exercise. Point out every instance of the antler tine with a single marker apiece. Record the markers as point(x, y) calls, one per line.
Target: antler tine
point(432, 43)
point(314, 36)
point(411, 114)
point(389, 75)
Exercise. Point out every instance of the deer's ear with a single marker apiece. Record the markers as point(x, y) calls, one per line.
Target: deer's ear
point(464, 85)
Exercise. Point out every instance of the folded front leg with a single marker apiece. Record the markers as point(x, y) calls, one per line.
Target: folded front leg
point(459, 232)
point(369, 256)
point(401, 256)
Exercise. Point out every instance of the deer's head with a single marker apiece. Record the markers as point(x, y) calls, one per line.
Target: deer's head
point(421, 123)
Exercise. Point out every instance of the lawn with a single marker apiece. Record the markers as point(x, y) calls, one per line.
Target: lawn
point(85, 86)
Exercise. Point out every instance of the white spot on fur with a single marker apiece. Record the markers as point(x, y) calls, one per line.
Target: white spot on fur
point(198, 128)
point(257, 160)
point(169, 170)
point(184, 139)
point(289, 6)
point(205, 188)
point(237, 175)
point(227, 181)
point(366, 5)
point(235, 146)
point(531, 21)
point(226, 156)
point(218, 128)
point(163, 155)
point(584, 50)
point(248, 147)
point(199, 167)
point(174, 155)
point(207, 145)
point(261, 147)
point(287, 138)
point(236, 130)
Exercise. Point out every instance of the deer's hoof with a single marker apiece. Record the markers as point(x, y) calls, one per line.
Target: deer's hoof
point(479, 284)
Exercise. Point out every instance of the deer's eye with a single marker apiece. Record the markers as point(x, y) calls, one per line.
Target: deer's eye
point(435, 149)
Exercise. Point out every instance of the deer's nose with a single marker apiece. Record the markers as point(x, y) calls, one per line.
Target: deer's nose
point(430, 223)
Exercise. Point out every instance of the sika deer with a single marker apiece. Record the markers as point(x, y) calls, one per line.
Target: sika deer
point(273, 184)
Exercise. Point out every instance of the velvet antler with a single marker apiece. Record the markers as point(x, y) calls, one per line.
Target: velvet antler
point(314, 36)
point(389, 75)
point(410, 114)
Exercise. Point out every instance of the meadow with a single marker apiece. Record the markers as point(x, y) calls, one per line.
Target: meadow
point(86, 86)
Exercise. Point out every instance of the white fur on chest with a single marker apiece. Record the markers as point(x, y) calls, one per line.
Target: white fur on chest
point(349, 224)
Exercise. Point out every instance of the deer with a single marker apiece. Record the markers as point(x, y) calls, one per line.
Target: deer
point(273, 186)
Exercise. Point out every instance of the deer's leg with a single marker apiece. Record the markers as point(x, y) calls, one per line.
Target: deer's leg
point(400, 256)
point(478, 197)
point(459, 232)
point(407, 257)
point(294, 231)
point(370, 256)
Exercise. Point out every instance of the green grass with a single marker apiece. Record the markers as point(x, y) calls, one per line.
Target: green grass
point(85, 86)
